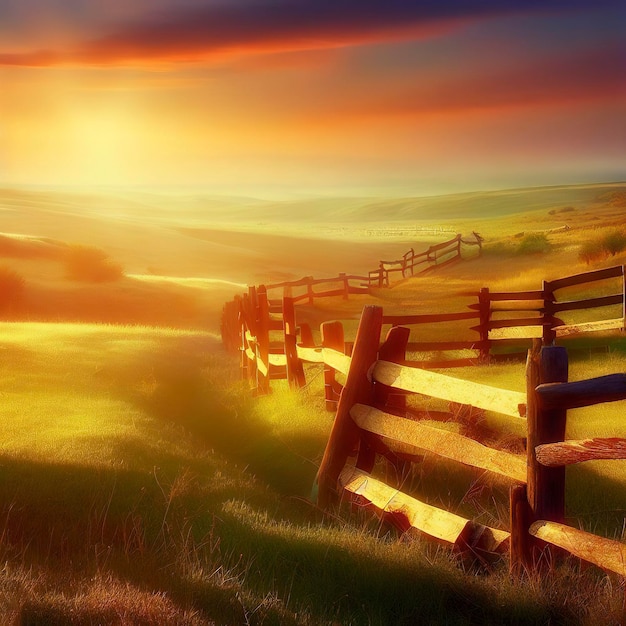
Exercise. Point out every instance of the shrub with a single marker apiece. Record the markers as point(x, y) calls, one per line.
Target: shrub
point(614, 242)
point(11, 287)
point(534, 243)
point(592, 252)
point(609, 244)
point(92, 265)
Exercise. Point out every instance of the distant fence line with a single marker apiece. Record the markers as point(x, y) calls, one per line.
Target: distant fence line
point(503, 325)
point(308, 288)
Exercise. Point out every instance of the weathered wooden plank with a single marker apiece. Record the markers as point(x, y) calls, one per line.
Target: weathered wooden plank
point(589, 327)
point(437, 385)
point(608, 554)
point(332, 338)
point(402, 320)
point(514, 323)
point(278, 360)
point(331, 293)
point(581, 393)
point(262, 366)
point(589, 303)
point(495, 296)
point(430, 346)
point(443, 363)
point(336, 360)
point(442, 442)
point(445, 244)
point(407, 512)
point(312, 355)
point(577, 451)
point(585, 277)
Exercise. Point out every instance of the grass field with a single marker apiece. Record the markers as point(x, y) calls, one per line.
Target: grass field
point(142, 484)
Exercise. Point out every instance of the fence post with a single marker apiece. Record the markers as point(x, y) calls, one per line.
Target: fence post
point(295, 370)
point(479, 239)
point(549, 334)
point(251, 326)
point(243, 306)
point(545, 485)
point(484, 310)
point(344, 436)
point(623, 297)
point(381, 273)
point(393, 350)
point(263, 342)
point(332, 337)
point(342, 277)
point(306, 336)
point(309, 289)
point(520, 520)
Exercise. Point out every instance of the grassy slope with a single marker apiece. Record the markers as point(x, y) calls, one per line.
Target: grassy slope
point(141, 484)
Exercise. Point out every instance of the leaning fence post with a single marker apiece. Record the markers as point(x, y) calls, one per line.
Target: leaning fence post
point(546, 485)
point(344, 436)
point(332, 337)
point(295, 370)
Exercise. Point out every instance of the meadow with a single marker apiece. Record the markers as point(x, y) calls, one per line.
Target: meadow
point(143, 484)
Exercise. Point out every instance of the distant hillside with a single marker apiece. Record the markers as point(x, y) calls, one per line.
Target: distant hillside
point(197, 209)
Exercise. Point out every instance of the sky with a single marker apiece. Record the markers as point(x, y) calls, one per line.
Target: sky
point(312, 96)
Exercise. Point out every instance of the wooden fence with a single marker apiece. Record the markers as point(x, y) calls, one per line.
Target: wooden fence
point(308, 288)
point(371, 422)
point(411, 263)
point(497, 325)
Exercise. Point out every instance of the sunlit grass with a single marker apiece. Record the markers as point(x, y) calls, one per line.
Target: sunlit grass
point(141, 482)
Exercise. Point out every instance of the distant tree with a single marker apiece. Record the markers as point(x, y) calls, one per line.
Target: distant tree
point(534, 243)
point(92, 265)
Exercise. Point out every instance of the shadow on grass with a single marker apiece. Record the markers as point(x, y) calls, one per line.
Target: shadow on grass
point(220, 551)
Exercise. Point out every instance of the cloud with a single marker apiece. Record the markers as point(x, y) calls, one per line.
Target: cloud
point(191, 33)
point(589, 75)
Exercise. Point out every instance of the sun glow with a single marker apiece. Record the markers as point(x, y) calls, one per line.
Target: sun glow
point(104, 145)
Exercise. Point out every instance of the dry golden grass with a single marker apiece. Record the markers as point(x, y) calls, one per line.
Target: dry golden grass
point(141, 483)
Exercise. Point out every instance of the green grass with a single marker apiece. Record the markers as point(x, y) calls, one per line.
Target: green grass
point(141, 484)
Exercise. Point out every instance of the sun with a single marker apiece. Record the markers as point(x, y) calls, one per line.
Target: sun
point(103, 146)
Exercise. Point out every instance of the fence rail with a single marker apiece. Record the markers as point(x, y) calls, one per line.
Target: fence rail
point(363, 429)
point(248, 322)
